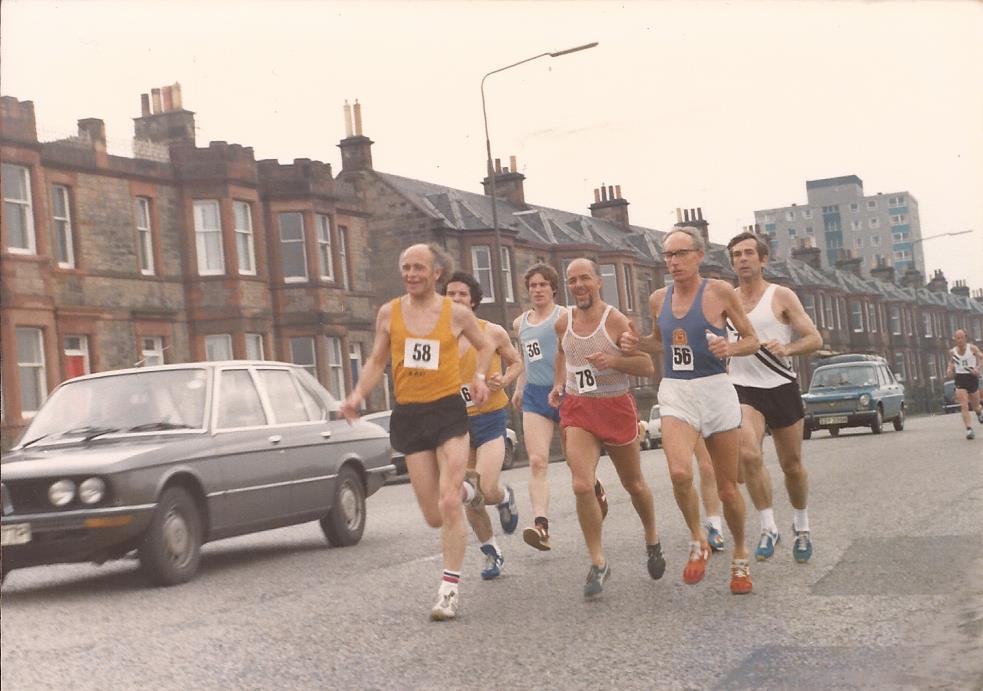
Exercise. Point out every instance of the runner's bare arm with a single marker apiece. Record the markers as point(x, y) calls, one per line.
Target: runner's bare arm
point(464, 322)
point(747, 342)
point(638, 363)
point(809, 340)
point(631, 341)
point(560, 362)
point(510, 356)
point(374, 368)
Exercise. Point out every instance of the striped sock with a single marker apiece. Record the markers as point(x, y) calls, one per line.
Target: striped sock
point(451, 577)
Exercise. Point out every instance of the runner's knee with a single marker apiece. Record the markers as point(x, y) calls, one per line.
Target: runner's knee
point(681, 476)
point(583, 485)
point(728, 493)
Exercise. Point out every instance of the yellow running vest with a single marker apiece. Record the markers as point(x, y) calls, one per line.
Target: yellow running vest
point(425, 368)
point(469, 362)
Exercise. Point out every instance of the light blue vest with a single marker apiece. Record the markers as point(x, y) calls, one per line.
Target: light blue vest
point(538, 344)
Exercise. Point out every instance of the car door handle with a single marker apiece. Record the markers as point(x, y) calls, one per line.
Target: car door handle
point(274, 439)
point(326, 434)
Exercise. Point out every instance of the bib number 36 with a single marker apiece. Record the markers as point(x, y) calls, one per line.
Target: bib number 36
point(534, 351)
point(682, 358)
point(421, 353)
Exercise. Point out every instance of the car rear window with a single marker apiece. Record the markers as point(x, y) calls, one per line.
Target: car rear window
point(829, 377)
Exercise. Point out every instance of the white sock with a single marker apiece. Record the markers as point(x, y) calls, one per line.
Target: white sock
point(716, 523)
point(468, 492)
point(800, 519)
point(492, 542)
point(768, 520)
point(504, 492)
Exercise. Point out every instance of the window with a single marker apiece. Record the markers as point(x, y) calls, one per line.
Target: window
point(609, 284)
point(900, 371)
point(898, 219)
point(856, 225)
point(858, 243)
point(932, 372)
point(507, 275)
point(239, 404)
point(151, 351)
point(145, 240)
point(856, 317)
point(30, 368)
point(894, 315)
point(481, 265)
point(218, 347)
point(810, 231)
point(285, 398)
point(872, 317)
point(791, 233)
point(769, 218)
point(254, 347)
point(629, 288)
point(343, 257)
point(76, 356)
point(807, 213)
point(901, 255)
point(871, 203)
point(293, 255)
point(874, 222)
point(302, 353)
point(927, 324)
point(324, 247)
point(830, 307)
point(790, 215)
point(819, 310)
point(875, 240)
point(840, 313)
point(809, 304)
point(355, 363)
point(895, 201)
point(62, 218)
point(208, 238)
point(18, 213)
point(245, 247)
point(336, 371)
point(854, 207)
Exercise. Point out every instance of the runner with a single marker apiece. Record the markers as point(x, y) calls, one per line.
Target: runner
point(590, 387)
point(965, 360)
point(535, 332)
point(429, 422)
point(769, 392)
point(695, 396)
point(487, 423)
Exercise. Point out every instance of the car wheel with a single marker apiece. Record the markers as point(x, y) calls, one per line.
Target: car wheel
point(834, 431)
point(509, 459)
point(806, 432)
point(877, 426)
point(171, 548)
point(899, 420)
point(345, 522)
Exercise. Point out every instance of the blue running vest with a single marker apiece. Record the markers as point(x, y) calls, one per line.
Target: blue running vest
point(685, 354)
point(538, 345)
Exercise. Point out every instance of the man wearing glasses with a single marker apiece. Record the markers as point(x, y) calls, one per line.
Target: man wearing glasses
point(696, 397)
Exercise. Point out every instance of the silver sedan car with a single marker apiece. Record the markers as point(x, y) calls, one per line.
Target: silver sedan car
point(161, 460)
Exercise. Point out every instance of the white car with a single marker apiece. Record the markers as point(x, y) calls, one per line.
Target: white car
point(653, 429)
point(382, 419)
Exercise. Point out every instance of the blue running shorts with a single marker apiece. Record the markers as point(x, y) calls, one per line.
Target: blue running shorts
point(535, 399)
point(486, 427)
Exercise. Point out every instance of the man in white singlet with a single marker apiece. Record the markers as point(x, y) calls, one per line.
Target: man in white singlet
point(965, 360)
point(768, 390)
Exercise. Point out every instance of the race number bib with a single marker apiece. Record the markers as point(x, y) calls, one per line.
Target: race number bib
point(682, 358)
point(466, 395)
point(421, 353)
point(585, 379)
point(534, 351)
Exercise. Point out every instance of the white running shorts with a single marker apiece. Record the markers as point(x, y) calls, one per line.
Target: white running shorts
point(708, 404)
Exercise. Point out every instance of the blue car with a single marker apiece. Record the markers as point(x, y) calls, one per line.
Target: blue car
point(853, 391)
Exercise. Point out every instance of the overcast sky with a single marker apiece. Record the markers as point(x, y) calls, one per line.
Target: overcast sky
point(726, 106)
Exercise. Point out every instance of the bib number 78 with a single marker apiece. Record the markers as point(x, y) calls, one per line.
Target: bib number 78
point(585, 379)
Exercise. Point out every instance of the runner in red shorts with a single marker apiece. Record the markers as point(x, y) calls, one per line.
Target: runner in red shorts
point(591, 390)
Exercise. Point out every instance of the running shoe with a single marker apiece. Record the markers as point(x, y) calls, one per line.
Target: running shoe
point(537, 536)
point(696, 565)
point(802, 547)
point(766, 545)
point(656, 562)
point(474, 479)
point(508, 512)
point(494, 561)
point(595, 579)
point(970, 434)
point(714, 538)
point(740, 577)
point(602, 498)
point(447, 605)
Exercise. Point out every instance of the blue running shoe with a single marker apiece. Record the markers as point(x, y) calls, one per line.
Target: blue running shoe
point(802, 547)
point(508, 512)
point(766, 545)
point(494, 561)
point(715, 539)
point(595, 580)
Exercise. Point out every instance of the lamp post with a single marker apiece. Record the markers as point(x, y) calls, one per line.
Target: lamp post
point(932, 237)
point(498, 287)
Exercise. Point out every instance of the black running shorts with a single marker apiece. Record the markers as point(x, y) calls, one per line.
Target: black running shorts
point(967, 381)
point(781, 406)
point(416, 427)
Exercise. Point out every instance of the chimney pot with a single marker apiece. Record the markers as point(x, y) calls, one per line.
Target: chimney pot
point(617, 191)
point(699, 212)
point(679, 215)
point(597, 195)
point(611, 192)
point(348, 119)
point(686, 215)
point(358, 118)
point(176, 96)
point(167, 99)
point(498, 166)
point(512, 164)
point(155, 97)
point(144, 105)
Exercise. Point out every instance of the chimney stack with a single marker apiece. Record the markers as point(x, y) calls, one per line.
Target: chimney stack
point(847, 262)
point(912, 278)
point(883, 272)
point(938, 284)
point(694, 219)
point(805, 252)
point(163, 119)
point(508, 183)
point(960, 288)
point(610, 206)
point(356, 148)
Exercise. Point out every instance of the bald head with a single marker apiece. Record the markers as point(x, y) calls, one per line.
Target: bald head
point(578, 266)
point(433, 255)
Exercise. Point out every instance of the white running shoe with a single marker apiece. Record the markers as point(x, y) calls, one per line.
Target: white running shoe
point(447, 605)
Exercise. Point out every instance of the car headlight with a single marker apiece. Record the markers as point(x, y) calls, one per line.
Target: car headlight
point(92, 490)
point(61, 492)
point(864, 400)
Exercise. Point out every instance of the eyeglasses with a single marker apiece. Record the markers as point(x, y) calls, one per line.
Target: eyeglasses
point(682, 254)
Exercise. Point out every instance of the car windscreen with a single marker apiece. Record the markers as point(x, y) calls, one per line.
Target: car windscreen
point(153, 401)
point(832, 377)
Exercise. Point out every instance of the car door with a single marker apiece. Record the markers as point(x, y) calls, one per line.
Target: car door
point(893, 393)
point(256, 482)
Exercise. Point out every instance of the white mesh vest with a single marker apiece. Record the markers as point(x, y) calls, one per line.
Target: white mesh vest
point(762, 370)
point(582, 378)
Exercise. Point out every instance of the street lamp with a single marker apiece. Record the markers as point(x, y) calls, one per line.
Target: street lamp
point(914, 262)
point(497, 275)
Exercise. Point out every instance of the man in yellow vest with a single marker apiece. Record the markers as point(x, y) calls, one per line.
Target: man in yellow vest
point(487, 423)
point(419, 332)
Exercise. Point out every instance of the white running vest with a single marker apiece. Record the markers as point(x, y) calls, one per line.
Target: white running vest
point(963, 362)
point(582, 378)
point(762, 370)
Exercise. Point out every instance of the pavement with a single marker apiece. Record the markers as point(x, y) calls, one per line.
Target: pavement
point(892, 599)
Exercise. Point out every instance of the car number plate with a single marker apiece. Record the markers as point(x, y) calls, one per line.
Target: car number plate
point(16, 534)
point(839, 420)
